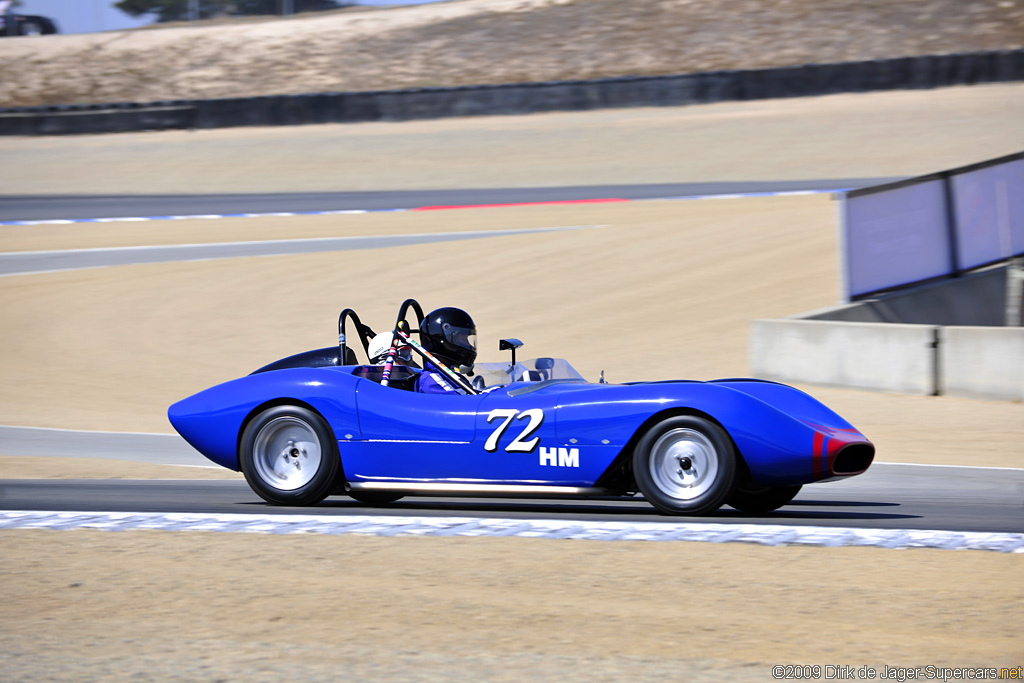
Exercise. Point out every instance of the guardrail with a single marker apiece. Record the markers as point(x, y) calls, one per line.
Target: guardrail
point(906, 73)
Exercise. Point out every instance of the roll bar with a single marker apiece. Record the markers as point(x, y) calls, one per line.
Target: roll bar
point(403, 309)
point(363, 332)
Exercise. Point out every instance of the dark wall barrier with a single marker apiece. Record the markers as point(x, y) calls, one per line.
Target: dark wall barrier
point(521, 98)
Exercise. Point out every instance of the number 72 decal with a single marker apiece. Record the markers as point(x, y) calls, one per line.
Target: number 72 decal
point(520, 444)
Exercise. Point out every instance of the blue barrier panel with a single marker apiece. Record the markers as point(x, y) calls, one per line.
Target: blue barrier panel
point(906, 233)
point(895, 236)
point(989, 210)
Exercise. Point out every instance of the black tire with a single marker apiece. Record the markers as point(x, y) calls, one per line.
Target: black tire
point(749, 497)
point(289, 456)
point(685, 466)
point(375, 497)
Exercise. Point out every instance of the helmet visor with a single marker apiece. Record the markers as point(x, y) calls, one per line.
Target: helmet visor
point(461, 337)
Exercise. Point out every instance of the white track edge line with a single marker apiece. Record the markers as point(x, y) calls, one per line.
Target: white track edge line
point(767, 534)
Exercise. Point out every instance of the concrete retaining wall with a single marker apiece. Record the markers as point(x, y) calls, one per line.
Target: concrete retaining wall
point(982, 361)
point(945, 338)
point(905, 73)
point(888, 357)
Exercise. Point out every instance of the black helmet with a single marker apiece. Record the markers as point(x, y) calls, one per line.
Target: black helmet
point(450, 334)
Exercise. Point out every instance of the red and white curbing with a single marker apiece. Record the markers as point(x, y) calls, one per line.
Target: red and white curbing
point(762, 534)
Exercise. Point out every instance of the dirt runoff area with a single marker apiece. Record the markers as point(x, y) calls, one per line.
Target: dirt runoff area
point(111, 348)
point(489, 41)
point(94, 605)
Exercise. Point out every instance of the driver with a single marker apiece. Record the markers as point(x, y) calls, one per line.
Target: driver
point(449, 334)
point(381, 344)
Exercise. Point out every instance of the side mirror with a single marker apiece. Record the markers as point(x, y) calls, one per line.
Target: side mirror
point(513, 344)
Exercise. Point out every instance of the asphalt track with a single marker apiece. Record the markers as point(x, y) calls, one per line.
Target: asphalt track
point(888, 496)
point(92, 207)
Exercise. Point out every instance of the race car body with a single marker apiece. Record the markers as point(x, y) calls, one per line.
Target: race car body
point(308, 426)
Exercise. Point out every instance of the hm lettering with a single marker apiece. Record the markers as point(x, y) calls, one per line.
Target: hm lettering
point(559, 457)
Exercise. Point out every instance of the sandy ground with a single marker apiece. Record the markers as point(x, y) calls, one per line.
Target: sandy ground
point(93, 605)
point(838, 136)
point(490, 41)
point(111, 348)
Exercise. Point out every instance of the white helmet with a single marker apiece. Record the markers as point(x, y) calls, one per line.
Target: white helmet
point(381, 344)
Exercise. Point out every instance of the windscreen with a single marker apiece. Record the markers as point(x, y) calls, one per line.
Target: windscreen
point(532, 370)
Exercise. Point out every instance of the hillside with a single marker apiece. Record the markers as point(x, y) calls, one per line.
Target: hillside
point(489, 41)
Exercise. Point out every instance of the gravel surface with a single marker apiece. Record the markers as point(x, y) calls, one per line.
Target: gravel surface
point(489, 41)
point(160, 606)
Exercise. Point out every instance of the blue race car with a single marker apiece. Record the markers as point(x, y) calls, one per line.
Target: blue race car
point(321, 423)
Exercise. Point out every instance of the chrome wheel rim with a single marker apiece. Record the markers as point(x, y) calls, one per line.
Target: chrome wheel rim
point(683, 463)
point(287, 453)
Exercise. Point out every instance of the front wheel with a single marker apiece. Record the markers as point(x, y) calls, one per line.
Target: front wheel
point(756, 499)
point(685, 466)
point(289, 456)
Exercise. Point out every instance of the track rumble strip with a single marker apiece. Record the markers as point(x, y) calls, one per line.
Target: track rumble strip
point(773, 535)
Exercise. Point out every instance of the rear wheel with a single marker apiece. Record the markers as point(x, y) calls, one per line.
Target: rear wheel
point(289, 456)
point(749, 497)
point(685, 466)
